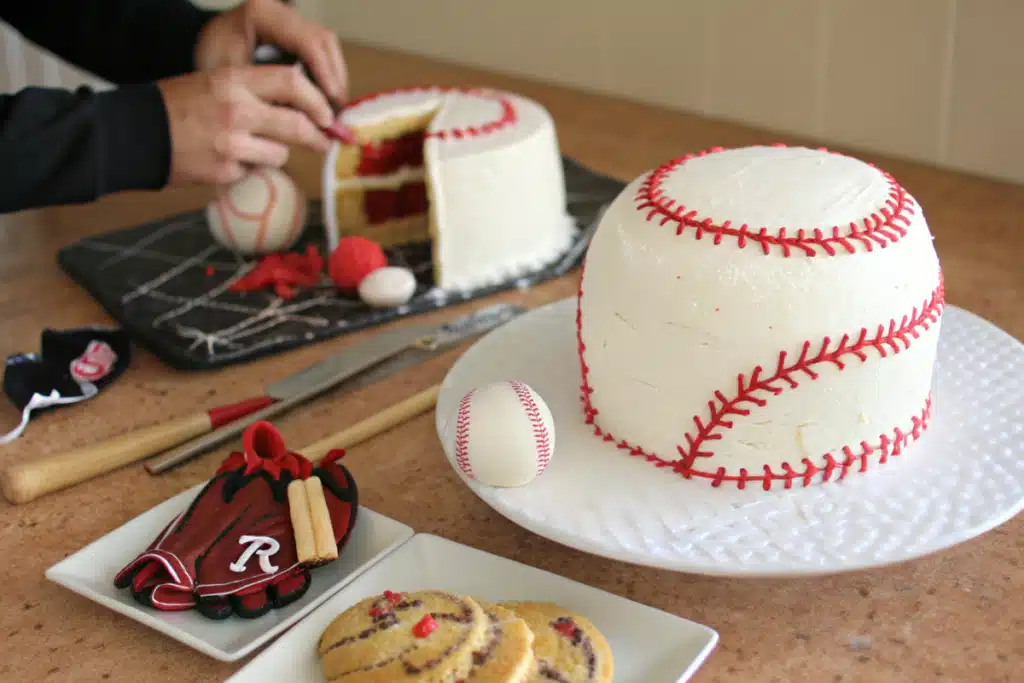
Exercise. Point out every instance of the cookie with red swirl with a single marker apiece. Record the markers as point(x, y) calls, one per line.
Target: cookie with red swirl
point(506, 655)
point(567, 647)
point(425, 637)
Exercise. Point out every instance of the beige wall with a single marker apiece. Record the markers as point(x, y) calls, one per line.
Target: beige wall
point(939, 81)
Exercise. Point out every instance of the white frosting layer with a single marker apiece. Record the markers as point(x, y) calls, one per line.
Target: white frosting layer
point(405, 174)
point(496, 187)
point(499, 198)
point(670, 319)
point(398, 104)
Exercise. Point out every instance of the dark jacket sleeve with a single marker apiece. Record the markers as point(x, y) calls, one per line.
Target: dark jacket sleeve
point(122, 41)
point(63, 147)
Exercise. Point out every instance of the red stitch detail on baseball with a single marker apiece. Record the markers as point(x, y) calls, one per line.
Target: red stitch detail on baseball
point(885, 340)
point(226, 205)
point(462, 435)
point(509, 116)
point(541, 437)
point(888, 446)
point(884, 227)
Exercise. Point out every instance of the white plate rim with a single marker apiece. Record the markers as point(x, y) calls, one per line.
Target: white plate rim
point(570, 540)
point(245, 674)
point(58, 574)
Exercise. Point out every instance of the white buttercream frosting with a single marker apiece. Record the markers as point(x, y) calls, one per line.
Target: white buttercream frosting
point(678, 300)
point(405, 174)
point(495, 177)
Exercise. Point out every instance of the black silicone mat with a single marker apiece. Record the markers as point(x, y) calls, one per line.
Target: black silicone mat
point(166, 282)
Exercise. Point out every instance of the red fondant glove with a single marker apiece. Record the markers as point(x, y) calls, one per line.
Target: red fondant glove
point(233, 549)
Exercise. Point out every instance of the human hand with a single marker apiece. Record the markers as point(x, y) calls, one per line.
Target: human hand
point(231, 39)
point(231, 117)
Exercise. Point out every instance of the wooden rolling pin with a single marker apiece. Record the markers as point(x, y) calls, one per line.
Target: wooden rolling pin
point(25, 481)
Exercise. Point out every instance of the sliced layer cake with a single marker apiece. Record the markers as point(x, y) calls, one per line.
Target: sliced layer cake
point(476, 174)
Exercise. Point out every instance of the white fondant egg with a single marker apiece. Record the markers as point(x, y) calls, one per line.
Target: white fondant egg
point(504, 434)
point(387, 287)
point(264, 212)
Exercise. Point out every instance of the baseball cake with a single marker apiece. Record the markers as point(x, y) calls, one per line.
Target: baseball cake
point(476, 173)
point(762, 317)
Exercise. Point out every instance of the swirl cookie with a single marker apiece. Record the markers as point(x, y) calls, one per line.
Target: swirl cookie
point(507, 653)
point(425, 637)
point(568, 648)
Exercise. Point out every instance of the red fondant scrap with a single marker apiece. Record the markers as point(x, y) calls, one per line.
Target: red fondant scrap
point(567, 627)
point(284, 273)
point(424, 627)
point(341, 132)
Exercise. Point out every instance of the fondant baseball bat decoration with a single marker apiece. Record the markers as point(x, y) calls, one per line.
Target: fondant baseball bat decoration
point(30, 479)
point(321, 376)
point(401, 412)
point(356, 365)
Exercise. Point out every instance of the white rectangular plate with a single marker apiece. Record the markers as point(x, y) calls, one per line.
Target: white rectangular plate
point(90, 572)
point(649, 646)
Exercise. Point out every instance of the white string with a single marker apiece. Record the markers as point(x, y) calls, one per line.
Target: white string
point(40, 401)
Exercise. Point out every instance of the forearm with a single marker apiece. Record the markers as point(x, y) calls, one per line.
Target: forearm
point(123, 41)
point(62, 147)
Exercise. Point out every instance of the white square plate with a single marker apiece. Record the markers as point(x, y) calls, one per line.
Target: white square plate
point(90, 572)
point(649, 646)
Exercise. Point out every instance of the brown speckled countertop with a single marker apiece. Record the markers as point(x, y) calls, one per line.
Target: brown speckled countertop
point(957, 616)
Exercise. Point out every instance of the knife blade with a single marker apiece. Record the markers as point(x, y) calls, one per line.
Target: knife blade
point(349, 363)
point(26, 480)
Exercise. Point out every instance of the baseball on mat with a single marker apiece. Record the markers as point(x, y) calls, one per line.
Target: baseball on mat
point(504, 435)
point(262, 213)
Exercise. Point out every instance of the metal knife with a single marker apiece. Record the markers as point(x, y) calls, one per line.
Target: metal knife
point(352, 363)
point(27, 480)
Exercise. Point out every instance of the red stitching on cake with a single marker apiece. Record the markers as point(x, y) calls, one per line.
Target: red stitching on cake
point(462, 435)
point(541, 436)
point(883, 227)
point(508, 116)
point(889, 444)
point(884, 341)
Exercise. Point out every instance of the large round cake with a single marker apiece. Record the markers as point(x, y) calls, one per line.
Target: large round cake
point(761, 317)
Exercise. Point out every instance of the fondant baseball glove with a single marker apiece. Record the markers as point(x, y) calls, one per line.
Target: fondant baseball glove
point(233, 550)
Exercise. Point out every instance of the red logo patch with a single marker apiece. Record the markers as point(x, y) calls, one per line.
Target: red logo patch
point(95, 363)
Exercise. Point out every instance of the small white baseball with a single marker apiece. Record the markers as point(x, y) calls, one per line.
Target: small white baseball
point(504, 434)
point(387, 287)
point(264, 212)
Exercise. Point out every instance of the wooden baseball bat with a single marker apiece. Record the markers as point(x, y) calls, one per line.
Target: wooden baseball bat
point(26, 481)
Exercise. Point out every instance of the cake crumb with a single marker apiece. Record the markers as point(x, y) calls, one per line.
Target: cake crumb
point(860, 642)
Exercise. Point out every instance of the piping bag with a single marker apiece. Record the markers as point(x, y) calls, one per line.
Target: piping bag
point(71, 366)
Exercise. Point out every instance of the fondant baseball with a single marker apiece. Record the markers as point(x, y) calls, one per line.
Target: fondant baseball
point(387, 287)
point(504, 434)
point(264, 212)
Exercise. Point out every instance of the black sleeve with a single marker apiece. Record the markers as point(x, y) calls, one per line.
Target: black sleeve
point(122, 41)
point(62, 147)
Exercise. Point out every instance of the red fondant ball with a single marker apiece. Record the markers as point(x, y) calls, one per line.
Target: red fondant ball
point(354, 259)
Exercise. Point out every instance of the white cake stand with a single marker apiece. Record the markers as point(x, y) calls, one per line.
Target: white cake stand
point(963, 478)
